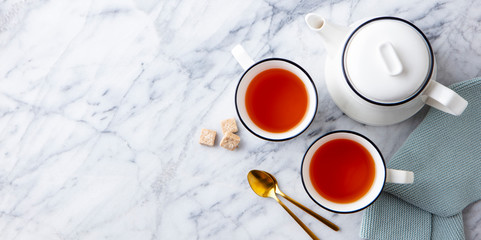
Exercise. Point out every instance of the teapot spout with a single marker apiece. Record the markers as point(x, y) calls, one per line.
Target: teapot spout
point(331, 34)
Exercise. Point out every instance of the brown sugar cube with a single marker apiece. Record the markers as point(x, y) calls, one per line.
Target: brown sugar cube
point(230, 141)
point(228, 125)
point(207, 137)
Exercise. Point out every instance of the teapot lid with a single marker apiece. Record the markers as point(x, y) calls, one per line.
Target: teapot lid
point(387, 61)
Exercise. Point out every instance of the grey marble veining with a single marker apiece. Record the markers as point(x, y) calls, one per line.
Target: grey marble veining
point(102, 102)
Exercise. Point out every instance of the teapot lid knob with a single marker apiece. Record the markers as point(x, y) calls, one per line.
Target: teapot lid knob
point(390, 58)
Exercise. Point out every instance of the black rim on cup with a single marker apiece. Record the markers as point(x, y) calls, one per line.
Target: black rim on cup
point(237, 106)
point(349, 132)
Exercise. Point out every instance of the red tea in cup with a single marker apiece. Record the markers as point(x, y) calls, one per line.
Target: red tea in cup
point(342, 170)
point(276, 100)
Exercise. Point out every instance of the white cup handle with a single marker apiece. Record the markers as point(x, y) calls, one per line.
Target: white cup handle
point(399, 176)
point(242, 57)
point(444, 99)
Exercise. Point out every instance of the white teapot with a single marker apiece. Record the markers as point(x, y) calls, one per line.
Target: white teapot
point(382, 71)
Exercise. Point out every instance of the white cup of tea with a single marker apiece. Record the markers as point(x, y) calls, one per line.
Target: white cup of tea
point(275, 98)
point(344, 172)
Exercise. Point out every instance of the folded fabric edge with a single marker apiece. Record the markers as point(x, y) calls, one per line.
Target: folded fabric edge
point(448, 227)
point(464, 84)
point(392, 218)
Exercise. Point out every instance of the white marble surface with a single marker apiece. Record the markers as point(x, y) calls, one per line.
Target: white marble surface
point(102, 102)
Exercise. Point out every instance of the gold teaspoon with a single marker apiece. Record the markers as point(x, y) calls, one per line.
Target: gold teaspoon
point(264, 186)
point(312, 213)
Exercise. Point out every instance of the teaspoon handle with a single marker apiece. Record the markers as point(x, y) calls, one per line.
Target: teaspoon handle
point(308, 231)
point(312, 213)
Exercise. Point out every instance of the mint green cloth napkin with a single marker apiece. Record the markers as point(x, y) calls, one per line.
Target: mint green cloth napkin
point(444, 152)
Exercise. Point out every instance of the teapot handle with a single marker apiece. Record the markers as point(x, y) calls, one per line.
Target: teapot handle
point(242, 57)
point(444, 99)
